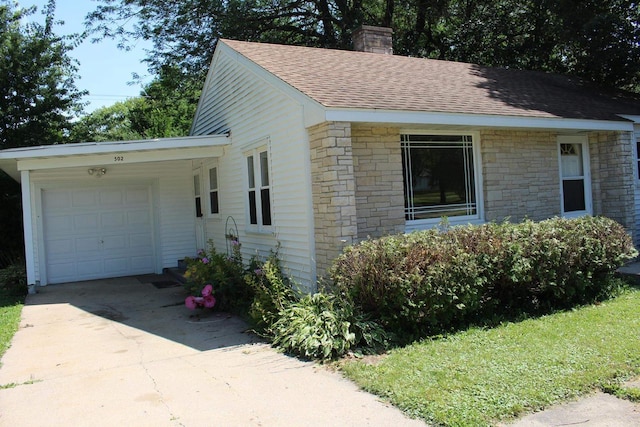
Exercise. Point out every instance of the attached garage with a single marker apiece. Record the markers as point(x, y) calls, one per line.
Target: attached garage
point(94, 233)
point(108, 209)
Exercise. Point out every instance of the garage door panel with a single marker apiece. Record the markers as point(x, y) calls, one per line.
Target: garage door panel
point(141, 263)
point(117, 265)
point(85, 222)
point(88, 269)
point(111, 198)
point(93, 233)
point(61, 249)
point(112, 220)
point(59, 225)
point(84, 199)
point(140, 240)
point(138, 218)
point(137, 196)
point(115, 242)
point(56, 199)
point(87, 244)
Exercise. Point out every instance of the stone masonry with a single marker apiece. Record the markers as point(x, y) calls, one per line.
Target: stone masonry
point(521, 176)
point(379, 182)
point(333, 188)
point(612, 176)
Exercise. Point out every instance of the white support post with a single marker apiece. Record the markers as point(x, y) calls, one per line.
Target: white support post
point(25, 180)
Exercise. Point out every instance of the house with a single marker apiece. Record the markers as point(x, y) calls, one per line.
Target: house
point(314, 149)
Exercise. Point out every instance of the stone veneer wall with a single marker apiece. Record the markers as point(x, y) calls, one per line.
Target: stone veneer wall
point(521, 176)
point(333, 188)
point(377, 161)
point(612, 177)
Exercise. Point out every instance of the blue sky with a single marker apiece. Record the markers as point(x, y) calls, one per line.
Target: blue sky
point(104, 69)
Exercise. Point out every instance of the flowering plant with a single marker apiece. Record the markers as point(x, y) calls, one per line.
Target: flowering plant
point(207, 300)
point(216, 275)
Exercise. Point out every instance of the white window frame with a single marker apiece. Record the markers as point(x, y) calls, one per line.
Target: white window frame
point(209, 168)
point(258, 188)
point(586, 175)
point(478, 217)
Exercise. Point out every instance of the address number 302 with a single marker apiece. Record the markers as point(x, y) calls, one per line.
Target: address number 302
point(118, 158)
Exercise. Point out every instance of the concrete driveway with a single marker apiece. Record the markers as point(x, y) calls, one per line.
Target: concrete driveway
point(122, 352)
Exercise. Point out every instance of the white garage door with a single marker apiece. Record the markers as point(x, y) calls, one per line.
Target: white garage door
point(94, 233)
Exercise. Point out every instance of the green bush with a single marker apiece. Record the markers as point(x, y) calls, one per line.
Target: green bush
point(431, 281)
point(13, 279)
point(314, 327)
point(273, 293)
point(226, 275)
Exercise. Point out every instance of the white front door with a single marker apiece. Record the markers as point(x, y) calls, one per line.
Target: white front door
point(97, 232)
point(199, 208)
point(575, 180)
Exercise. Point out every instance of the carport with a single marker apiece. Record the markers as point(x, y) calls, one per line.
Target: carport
point(108, 209)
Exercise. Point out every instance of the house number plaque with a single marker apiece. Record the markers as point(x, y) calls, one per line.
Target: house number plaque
point(118, 158)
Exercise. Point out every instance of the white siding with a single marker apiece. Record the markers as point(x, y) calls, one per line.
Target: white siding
point(173, 207)
point(636, 157)
point(238, 99)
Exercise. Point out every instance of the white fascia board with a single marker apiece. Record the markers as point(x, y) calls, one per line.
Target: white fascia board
point(476, 120)
point(634, 119)
point(91, 148)
point(120, 158)
point(313, 111)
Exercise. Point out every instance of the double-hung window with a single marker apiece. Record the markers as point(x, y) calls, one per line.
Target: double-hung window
point(259, 190)
point(441, 178)
point(214, 203)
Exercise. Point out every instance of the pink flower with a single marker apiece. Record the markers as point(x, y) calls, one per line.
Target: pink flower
point(201, 252)
point(258, 272)
point(190, 302)
point(235, 243)
point(205, 260)
point(207, 290)
point(209, 301)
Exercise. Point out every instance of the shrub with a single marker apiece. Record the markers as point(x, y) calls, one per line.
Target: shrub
point(314, 327)
point(13, 279)
point(431, 281)
point(224, 273)
point(272, 290)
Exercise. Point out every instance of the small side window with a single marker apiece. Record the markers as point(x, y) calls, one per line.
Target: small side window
point(196, 191)
point(214, 203)
point(259, 189)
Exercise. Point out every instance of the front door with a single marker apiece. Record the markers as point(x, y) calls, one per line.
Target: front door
point(575, 182)
point(198, 192)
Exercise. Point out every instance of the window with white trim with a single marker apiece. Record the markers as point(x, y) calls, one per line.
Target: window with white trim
point(198, 198)
point(214, 202)
point(637, 153)
point(259, 190)
point(440, 177)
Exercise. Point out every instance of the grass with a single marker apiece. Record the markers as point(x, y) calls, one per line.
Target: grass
point(481, 376)
point(10, 309)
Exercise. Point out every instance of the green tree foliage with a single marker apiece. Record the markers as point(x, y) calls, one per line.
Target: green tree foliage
point(37, 99)
point(38, 95)
point(597, 40)
point(165, 109)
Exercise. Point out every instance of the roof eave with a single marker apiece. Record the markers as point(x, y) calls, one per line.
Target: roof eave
point(474, 120)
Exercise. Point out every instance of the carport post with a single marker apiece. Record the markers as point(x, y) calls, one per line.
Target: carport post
point(25, 183)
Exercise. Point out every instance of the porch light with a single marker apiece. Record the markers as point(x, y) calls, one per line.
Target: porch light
point(97, 171)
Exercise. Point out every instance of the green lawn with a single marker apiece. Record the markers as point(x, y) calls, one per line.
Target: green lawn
point(10, 309)
point(477, 377)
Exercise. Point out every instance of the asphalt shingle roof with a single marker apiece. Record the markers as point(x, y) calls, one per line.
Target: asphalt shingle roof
point(359, 80)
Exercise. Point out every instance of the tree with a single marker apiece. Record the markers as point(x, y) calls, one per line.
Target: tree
point(37, 86)
point(37, 99)
point(597, 40)
point(165, 109)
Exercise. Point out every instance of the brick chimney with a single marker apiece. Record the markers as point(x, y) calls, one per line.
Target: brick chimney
point(373, 39)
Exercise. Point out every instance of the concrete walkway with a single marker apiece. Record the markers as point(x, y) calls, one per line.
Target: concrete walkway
point(122, 352)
